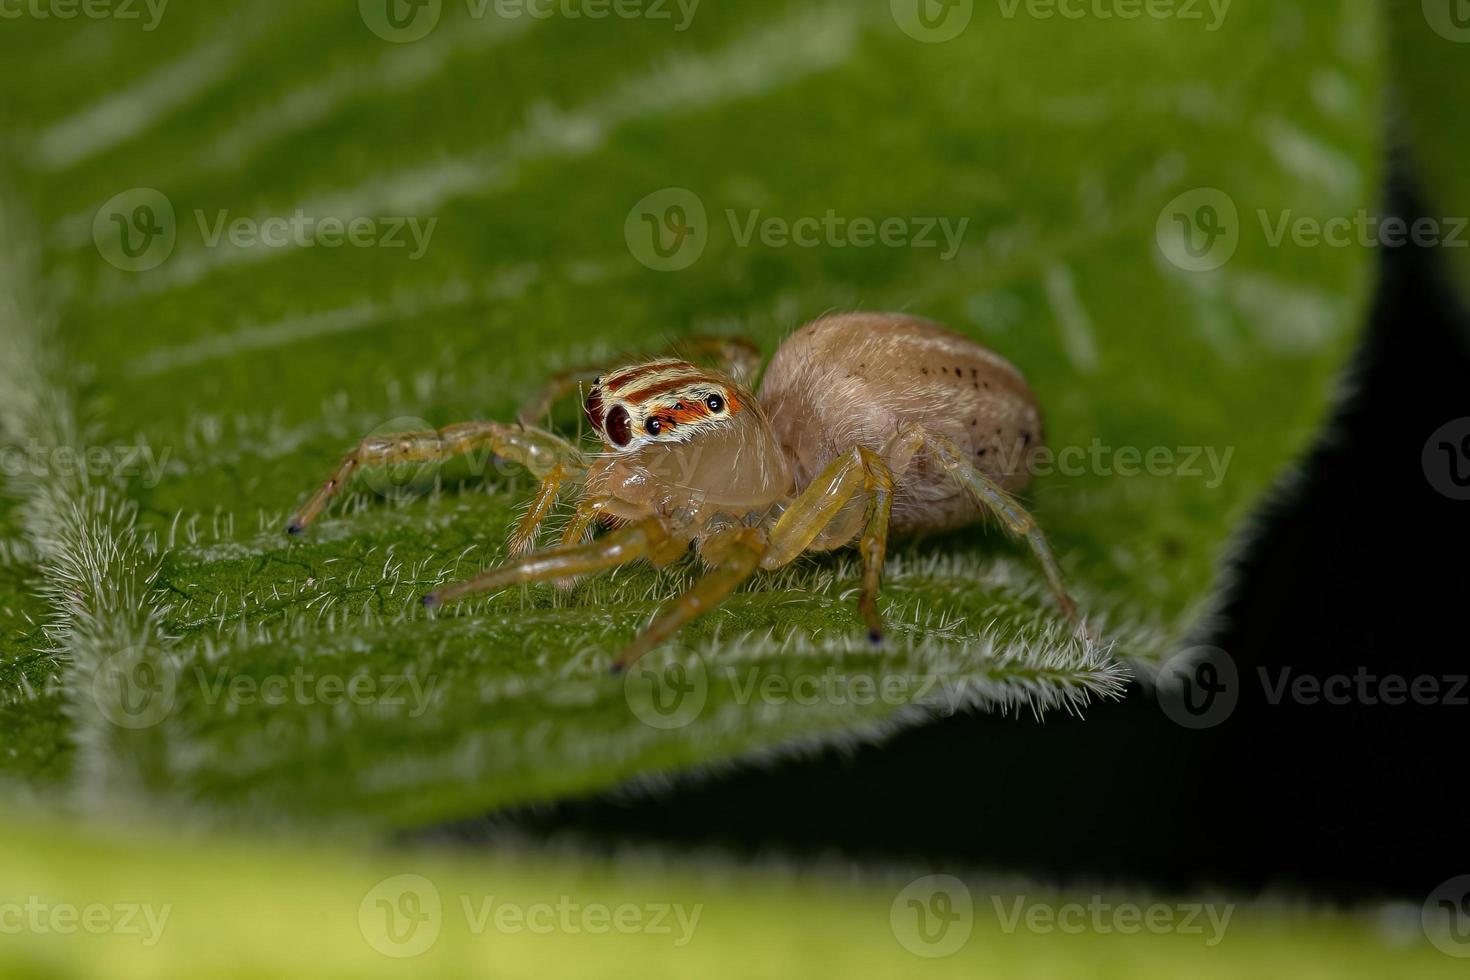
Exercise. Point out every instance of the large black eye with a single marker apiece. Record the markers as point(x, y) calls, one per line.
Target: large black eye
point(619, 426)
point(716, 403)
point(654, 426)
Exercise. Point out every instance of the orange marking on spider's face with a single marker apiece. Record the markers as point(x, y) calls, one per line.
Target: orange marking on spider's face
point(689, 412)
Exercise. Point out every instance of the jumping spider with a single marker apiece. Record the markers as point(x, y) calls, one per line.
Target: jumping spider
point(865, 423)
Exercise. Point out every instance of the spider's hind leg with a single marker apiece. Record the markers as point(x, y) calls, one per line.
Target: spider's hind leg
point(995, 499)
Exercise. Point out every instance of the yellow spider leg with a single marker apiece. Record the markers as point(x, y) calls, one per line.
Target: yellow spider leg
point(577, 527)
point(536, 450)
point(524, 535)
point(618, 548)
point(737, 554)
point(860, 469)
point(1015, 517)
point(820, 503)
point(873, 546)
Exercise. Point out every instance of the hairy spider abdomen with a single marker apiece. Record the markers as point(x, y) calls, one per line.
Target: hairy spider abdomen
point(861, 378)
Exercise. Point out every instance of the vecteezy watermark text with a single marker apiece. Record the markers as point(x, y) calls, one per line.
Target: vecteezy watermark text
point(670, 229)
point(39, 917)
point(118, 462)
point(148, 12)
point(1211, 13)
point(405, 21)
point(832, 230)
point(303, 230)
point(1101, 917)
point(1364, 229)
point(1201, 230)
point(933, 916)
point(137, 230)
point(1200, 688)
point(139, 687)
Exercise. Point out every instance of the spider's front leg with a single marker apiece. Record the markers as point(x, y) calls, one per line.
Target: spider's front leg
point(544, 454)
point(735, 553)
point(819, 515)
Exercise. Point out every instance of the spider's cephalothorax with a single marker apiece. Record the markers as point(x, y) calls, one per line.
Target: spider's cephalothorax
point(863, 421)
point(659, 401)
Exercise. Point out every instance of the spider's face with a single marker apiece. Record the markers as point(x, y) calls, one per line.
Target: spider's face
point(660, 401)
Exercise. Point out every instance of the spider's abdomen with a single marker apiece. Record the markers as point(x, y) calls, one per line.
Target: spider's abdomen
point(859, 378)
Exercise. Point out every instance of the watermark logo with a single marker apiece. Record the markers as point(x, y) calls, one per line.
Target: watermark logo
point(1450, 19)
point(932, 21)
point(135, 688)
point(667, 694)
point(1199, 230)
point(401, 916)
point(1446, 917)
point(401, 21)
point(668, 230)
point(1198, 688)
point(136, 230)
point(1446, 459)
point(933, 916)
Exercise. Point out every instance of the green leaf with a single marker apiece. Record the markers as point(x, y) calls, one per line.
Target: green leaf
point(175, 907)
point(1071, 151)
point(1428, 43)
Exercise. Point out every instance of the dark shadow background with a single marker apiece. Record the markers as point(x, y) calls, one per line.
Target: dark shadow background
point(1360, 563)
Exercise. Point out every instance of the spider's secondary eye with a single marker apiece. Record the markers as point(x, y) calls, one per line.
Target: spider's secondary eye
point(619, 426)
point(654, 426)
point(716, 403)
